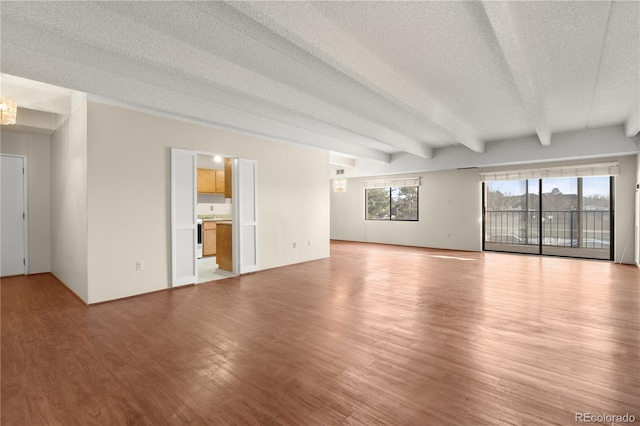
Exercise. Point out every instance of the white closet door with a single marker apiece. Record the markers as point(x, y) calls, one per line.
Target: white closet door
point(13, 216)
point(246, 216)
point(183, 217)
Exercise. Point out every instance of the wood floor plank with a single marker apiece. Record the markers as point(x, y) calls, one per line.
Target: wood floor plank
point(375, 335)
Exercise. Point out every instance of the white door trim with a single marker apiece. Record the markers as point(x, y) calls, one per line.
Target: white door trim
point(245, 217)
point(183, 257)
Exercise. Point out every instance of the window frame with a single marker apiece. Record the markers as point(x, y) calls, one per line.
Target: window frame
point(389, 190)
point(602, 249)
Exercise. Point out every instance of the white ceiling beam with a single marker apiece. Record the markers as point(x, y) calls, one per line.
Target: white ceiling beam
point(632, 125)
point(35, 95)
point(312, 31)
point(515, 48)
point(583, 145)
point(212, 77)
point(336, 159)
point(429, 152)
point(36, 119)
point(263, 96)
point(342, 118)
point(23, 59)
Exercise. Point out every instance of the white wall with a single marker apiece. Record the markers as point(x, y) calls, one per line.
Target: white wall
point(625, 210)
point(449, 213)
point(450, 204)
point(69, 199)
point(129, 195)
point(211, 198)
point(37, 149)
point(215, 209)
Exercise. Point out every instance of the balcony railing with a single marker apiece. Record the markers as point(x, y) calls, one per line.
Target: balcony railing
point(580, 229)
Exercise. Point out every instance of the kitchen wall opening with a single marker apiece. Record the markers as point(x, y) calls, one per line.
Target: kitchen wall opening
point(214, 211)
point(213, 215)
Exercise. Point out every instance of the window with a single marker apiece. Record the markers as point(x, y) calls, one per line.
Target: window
point(392, 203)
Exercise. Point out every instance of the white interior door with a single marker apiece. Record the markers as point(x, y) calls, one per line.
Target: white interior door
point(245, 217)
point(183, 217)
point(13, 214)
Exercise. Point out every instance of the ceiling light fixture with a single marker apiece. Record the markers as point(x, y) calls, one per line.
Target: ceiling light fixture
point(339, 182)
point(8, 109)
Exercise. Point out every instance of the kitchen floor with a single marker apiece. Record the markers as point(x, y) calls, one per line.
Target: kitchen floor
point(208, 270)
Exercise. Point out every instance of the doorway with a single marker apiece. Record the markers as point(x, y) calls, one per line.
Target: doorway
point(214, 210)
point(238, 229)
point(565, 216)
point(14, 246)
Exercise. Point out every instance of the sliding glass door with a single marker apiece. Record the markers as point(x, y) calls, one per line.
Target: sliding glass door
point(511, 216)
point(577, 219)
point(553, 216)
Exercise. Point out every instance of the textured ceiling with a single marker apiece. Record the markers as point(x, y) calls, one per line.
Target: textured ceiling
point(372, 80)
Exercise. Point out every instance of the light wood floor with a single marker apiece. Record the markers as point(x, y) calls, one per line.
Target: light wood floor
point(376, 335)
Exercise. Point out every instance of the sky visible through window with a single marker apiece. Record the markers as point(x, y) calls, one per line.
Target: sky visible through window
point(598, 185)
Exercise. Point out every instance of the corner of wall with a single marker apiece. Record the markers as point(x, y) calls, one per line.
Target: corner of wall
point(69, 236)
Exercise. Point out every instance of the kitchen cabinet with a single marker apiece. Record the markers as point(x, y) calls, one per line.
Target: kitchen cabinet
point(206, 181)
point(224, 255)
point(211, 181)
point(220, 182)
point(209, 238)
point(227, 177)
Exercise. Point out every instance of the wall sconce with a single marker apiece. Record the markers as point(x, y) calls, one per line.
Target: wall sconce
point(339, 182)
point(8, 109)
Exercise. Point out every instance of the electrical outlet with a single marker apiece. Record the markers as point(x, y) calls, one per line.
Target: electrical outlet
point(139, 265)
point(211, 208)
point(294, 245)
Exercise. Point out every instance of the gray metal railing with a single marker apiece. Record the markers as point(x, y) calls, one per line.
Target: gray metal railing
point(580, 229)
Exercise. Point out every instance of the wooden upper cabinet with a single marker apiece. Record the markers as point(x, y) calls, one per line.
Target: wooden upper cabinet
point(227, 177)
point(220, 181)
point(206, 181)
point(211, 181)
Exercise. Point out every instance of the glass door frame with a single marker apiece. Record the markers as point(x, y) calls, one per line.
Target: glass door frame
point(540, 248)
